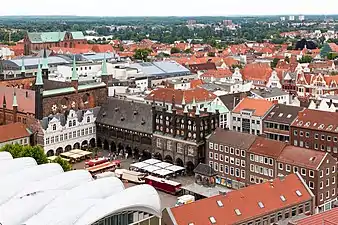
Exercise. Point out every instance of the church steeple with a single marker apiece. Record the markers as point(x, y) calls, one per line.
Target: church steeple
point(45, 65)
point(15, 108)
point(104, 71)
point(39, 80)
point(74, 73)
point(23, 69)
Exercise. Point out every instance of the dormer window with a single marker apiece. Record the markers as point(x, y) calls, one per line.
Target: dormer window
point(54, 126)
point(74, 122)
point(88, 119)
point(70, 123)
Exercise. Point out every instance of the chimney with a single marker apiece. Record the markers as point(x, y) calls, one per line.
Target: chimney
point(281, 177)
point(271, 184)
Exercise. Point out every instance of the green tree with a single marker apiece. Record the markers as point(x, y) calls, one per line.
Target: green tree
point(325, 50)
point(66, 166)
point(142, 54)
point(18, 151)
point(274, 62)
point(305, 59)
point(188, 51)
point(174, 50)
point(290, 47)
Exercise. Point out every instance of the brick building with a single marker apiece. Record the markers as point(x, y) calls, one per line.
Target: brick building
point(179, 135)
point(275, 202)
point(278, 121)
point(37, 41)
point(316, 130)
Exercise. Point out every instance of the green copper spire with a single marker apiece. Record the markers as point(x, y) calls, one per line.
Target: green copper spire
point(74, 74)
point(44, 60)
point(15, 101)
point(104, 67)
point(193, 102)
point(185, 110)
point(38, 80)
point(197, 113)
point(23, 69)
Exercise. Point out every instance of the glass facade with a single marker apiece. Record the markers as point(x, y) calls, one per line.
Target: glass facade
point(128, 218)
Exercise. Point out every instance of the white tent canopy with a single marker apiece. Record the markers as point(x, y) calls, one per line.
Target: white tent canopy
point(5, 156)
point(15, 165)
point(139, 165)
point(163, 165)
point(152, 161)
point(175, 168)
point(151, 168)
point(163, 172)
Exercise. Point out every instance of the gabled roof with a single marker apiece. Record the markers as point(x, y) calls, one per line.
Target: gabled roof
point(232, 138)
point(231, 100)
point(303, 157)
point(317, 120)
point(257, 71)
point(13, 131)
point(267, 147)
point(259, 106)
point(48, 37)
point(282, 113)
point(242, 205)
point(329, 217)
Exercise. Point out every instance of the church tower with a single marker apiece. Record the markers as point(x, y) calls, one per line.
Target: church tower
point(104, 71)
point(39, 94)
point(75, 77)
point(45, 68)
point(23, 69)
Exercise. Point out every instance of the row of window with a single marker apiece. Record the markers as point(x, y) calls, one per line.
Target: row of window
point(261, 170)
point(258, 122)
point(316, 136)
point(70, 135)
point(168, 145)
point(281, 215)
point(277, 126)
point(327, 194)
point(316, 146)
point(236, 172)
point(227, 159)
point(226, 149)
point(303, 170)
point(261, 159)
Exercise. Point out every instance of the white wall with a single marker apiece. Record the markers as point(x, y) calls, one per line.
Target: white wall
point(21, 141)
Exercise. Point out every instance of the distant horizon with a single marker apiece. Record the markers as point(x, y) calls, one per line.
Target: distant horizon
point(176, 8)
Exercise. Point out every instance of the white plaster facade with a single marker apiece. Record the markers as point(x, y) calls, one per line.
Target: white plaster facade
point(274, 81)
point(20, 141)
point(75, 133)
point(246, 122)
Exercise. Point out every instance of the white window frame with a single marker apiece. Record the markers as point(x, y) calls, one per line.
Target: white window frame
point(211, 145)
point(211, 155)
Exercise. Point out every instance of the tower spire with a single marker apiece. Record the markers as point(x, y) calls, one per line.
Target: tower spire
point(23, 69)
point(39, 80)
point(74, 73)
point(197, 112)
point(104, 71)
point(183, 100)
point(15, 101)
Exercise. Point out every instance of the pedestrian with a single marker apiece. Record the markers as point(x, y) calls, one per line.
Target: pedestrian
point(126, 155)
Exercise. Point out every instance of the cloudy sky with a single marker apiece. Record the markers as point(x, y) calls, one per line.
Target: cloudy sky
point(167, 7)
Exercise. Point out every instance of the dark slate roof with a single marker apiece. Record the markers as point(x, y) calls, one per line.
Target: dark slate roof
point(284, 114)
point(205, 170)
point(269, 93)
point(231, 100)
point(62, 117)
point(52, 84)
point(232, 138)
point(129, 115)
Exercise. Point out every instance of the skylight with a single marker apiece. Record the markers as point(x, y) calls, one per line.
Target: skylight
point(280, 115)
point(283, 198)
point(298, 193)
point(212, 219)
point(261, 205)
point(321, 126)
point(288, 116)
point(238, 213)
point(220, 203)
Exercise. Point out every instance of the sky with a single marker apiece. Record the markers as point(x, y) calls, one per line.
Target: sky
point(167, 7)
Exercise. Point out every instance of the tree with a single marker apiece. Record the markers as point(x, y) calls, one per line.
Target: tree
point(211, 54)
point(290, 47)
point(66, 166)
point(274, 62)
point(142, 54)
point(188, 51)
point(36, 152)
point(305, 59)
point(174, 50)
point(287, 59)
point(325, 50)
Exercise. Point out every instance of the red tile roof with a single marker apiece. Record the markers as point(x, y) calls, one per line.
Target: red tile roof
point(257, 71)
point(317, 120)
point(302, 157)
point(102, 48)
point(13, 131)
point(329, 217)
point(167, 94)
point(260, 106)
point(196, 83)
point(219, 73)
point(334, 47)
point(245, 200)
point(25, 104)
point(267, 147)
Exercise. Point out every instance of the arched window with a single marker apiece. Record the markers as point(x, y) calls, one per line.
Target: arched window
point(88, 119)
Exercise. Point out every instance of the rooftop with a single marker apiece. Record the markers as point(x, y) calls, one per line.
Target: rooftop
point(260, 107)
point(242, 205)
point(282, 113)
point(13, 131)
point(269, 93)
point(302, 157)
point(317, 120)
point(25, 99)
point(161, 68)
point(232, 138)
point(329, 217)
point(267, 147)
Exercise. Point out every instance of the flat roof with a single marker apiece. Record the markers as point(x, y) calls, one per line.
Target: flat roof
point(205, 191)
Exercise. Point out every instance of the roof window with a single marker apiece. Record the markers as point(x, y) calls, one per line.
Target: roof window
point(312, 159)
point(280, 115)
point(329, 127)
point(212, 219)
point(300, 123)
point(282, 198)
point(261, 205)
point(298, 193)
point(238, 212)
point(220, 203)
point(321, 126)
point(288, 116)
point(307, 124)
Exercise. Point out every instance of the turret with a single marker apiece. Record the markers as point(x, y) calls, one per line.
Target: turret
point(104, 71)
point(45, 67)
point(15, 108)
point(39, 94)
point(75, 78)
point(23, 69)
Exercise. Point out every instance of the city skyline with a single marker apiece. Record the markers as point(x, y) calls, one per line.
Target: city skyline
point(175, 8)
